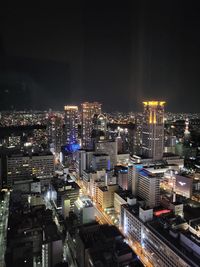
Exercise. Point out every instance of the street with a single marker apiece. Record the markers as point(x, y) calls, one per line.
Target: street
point(4, 211)
point(103, 217)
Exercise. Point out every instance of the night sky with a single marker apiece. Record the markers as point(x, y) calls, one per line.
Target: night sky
point(116, 52)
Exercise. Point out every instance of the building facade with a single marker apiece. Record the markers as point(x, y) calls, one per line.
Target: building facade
point(153, 130)
point(71, 124)
point(149, 188)
point(21, 167)
point(88, 110)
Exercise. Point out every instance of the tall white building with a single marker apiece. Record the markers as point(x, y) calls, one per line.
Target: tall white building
point(153, 130)
point(149, 188)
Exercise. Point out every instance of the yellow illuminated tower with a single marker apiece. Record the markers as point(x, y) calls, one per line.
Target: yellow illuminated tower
point(88, 110)
point(153, 129)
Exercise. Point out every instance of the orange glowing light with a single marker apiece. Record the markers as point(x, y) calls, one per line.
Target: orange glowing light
point(150, 119)
point(154, 103)
point(154, 118)
point(70, 108)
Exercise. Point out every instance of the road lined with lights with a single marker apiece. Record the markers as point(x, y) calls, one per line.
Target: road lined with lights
point(139, 251)
point(104, 218)
point(4, 211)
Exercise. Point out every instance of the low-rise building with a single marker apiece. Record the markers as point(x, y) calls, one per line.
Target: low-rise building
point(84, 210)
point(63, 194)
point(105, 195)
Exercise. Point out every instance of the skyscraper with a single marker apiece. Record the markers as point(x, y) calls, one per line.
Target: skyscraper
point(100, 122)
point(153, 130)
point(87, 113)
point(71, 124)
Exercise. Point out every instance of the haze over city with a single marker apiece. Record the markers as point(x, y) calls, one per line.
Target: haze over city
point(121, 52)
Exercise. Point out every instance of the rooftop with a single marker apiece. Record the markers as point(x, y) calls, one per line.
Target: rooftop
point(100, 155)
point(59, 183)
point(93, 233)
point(173, 243)
point(20, 154)
point(146, 173)
point(125, 194)
point(134, 209)
point(84, 201)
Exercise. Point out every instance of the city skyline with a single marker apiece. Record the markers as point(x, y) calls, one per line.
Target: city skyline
point(100, 134)
point(128, 177)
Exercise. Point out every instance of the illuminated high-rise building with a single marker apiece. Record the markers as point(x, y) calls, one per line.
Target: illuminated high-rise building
point(55, 132)
point(153, 130)
point(87, 114)
point(100, 122)
point(71, 124)
point(186, 131)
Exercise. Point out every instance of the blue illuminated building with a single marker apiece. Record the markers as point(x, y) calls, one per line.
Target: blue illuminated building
point(71, 148)
point(71, 126)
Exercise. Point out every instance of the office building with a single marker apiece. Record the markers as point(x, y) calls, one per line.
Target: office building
point(137, 139)
point(166, 240)
point(100, 162)
point(83, 160)
point(84, 210)
point(63, 194)
point(71, 124)
point(135, 168)
point(55, 132)
point(153, 130)
point(88, 110)
point(97, 179)
point(80, 162)
point(149, 188)
point(170, 144)
point(171, 246)
point(105, 195)
point(122, 177)
point(108, 147)
point(125, 175)
point(52, 252)
point(89, 179)
point(100, 123)
point(20, 167)
point(122, 197)
point(130, 222)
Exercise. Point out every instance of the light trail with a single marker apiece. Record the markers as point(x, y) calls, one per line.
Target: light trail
point(103, 217)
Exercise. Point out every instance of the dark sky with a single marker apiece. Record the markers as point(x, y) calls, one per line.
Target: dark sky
point(116, 52)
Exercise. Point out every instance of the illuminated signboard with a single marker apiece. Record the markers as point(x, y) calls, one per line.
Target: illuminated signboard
point(160, 212)
point(184, 185)
point(72, 147)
